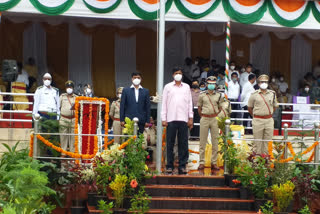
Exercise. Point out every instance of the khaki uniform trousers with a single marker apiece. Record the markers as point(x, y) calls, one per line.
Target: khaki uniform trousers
point(117, 130)
point(66, 126)
point(262, 129)
point(207, 124)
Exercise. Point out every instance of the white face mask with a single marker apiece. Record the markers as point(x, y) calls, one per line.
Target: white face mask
point(178, 77)
point(119, 96)
point(281, 79)
point(273, 80)
point(307, 89)
point(243, 70)
point(88, 91)
point(69, 90)
point(232, 67)
point(47, 82)
point(263, 86)
point(136, 81)
point(196, 62)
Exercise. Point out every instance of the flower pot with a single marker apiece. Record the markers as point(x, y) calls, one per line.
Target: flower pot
point(78, 203)
point(244, 193)
point(258, 203)
point(92, 198)
point(280, 212)
point(228, 180)
point(98, 198)
point(119, 211)
point(77, 210)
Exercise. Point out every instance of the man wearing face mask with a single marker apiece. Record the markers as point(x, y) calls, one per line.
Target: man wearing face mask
point(87, 91)
point(274, 85)
point(244, 76)
point(195, 92)
point(283, 86)
point(234, 93)
point(115, 116)
point(177, 116)
point(261, 105)
point(66, 122)
point(135, 102)
point(46, 99)
point(233, 69)
point(209, 106)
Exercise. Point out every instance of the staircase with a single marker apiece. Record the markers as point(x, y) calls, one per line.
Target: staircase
point(194, 194)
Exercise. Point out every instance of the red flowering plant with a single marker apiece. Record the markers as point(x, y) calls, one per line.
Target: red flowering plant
point(255, 174)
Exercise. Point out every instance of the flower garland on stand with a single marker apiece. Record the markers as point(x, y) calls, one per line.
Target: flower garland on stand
point(31, 145)
point(289, 144)
point(92, 125)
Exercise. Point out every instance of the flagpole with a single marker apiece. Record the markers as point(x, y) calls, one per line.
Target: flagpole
point(160, 75)
point(228, 38)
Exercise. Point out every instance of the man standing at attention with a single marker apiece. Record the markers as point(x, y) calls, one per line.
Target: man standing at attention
point(261, 105)
point(115, 116)
point(244, 76)
point(46, 99)
point(135, 102)
point(67, 119)
point(177, 116)
point(209, 106)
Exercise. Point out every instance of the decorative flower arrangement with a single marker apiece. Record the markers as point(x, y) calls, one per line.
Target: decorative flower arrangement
point(282, 195)
point(118, 187)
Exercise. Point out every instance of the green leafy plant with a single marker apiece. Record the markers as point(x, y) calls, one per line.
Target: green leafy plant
point(129, 127)
point(118, 187)
point(305, 210)
point(140, 202)
point(267, 208)
point(105, 207)
point(282, 195)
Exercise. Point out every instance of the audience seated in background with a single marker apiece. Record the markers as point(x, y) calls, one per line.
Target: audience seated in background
point(22, 75)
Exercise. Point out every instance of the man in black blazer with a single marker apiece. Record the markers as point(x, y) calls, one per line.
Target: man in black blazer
point(135, 102)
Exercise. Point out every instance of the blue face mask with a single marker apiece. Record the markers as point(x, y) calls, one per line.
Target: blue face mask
point(211, 87)
point(202, 88)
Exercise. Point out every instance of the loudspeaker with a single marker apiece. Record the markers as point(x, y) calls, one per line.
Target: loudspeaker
point(9, 70)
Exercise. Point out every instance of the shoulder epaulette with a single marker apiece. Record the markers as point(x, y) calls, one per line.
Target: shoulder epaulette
point(203, 92)
point(40, 87)
point(64, 94)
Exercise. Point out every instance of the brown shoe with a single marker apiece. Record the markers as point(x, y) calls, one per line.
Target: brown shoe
point(215, 167)
point(201, 167)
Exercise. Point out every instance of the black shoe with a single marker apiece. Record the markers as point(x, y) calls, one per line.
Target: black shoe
point(169, 171)
point(182, 171)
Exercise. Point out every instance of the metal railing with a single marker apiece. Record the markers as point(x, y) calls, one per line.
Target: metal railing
point(11, 111)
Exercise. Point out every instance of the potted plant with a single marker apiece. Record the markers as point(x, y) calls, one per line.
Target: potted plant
point(282, 196)
point(244, 172)
point(105, 207)
point(267, 208)
point(87, 178)
point(305, 210)
point(118, 187)
point(140, 202)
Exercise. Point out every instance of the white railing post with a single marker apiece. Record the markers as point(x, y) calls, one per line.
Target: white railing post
point(35, 132)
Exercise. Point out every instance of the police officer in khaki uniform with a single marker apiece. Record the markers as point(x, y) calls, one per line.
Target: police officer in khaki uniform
point(261, 105)
point(115, 116)
point(67, 119)
point(209, 106)
point(225, 106)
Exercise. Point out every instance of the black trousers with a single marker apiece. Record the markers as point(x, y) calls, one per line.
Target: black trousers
point(246, 115)
point(195, 131)
point(180, 128)
point(141, 128)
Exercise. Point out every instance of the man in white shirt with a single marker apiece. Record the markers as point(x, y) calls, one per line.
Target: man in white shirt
point(232, 69)
point(190, 71)
point(244, 76)
point(283, 86)
point(247, 90)
point(46, 100)
point(23, 75)
point(233, 93)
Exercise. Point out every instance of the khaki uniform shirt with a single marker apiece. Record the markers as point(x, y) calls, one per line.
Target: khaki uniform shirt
point(204, 102)
point(225, 109)
point(115, 109)
point(66, 104)
point(259, 105)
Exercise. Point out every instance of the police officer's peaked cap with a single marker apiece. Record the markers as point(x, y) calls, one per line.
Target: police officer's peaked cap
point(211, 79)
point(263, 77)
point(69, 83)
point(119, 90)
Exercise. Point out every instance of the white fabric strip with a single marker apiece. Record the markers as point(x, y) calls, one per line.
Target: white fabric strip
point(101, 4)
point(125, 60)
point(245, 9)
point(289, 15)
point(197, 9)
point(80, 49)
point(4, 1)
point(50, 3)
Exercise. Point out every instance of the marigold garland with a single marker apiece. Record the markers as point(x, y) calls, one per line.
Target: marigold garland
point(71, 154)
point(125, 144)
point(106, 117)
point(31, 146)
point(309, 149)
point(195, 152)
point(107, 144)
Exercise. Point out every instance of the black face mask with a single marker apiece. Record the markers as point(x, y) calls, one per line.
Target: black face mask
point(195, 86)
